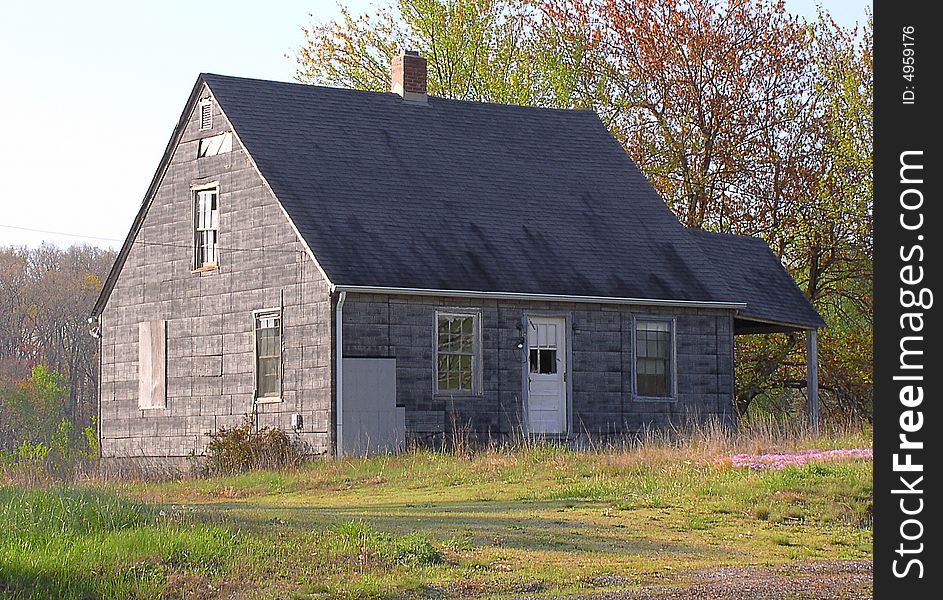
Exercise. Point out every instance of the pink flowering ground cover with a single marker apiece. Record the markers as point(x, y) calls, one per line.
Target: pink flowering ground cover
point(777, 461)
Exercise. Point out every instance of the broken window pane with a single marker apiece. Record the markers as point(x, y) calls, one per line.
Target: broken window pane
point(548, 361)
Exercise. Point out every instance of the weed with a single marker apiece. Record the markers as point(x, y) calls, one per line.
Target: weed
point(410, 549)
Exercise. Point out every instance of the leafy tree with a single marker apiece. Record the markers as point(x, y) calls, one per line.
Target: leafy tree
point(695, 88)
point(745, 118)
point(487, 50)
point(822, 227)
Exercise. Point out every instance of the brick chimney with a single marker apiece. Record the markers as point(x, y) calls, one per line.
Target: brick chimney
point(409, 77)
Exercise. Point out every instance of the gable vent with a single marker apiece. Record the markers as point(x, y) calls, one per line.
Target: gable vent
point(206, 115)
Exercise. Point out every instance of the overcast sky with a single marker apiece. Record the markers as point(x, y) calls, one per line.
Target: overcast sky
point(90, 92)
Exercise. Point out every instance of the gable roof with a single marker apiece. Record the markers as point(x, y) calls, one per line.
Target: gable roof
point(483, 199)
point(456, 195)
point(756, 276)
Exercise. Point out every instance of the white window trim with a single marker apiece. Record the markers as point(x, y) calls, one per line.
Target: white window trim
point(672, 359)
point(281, 357)
point(194, 195)
point(476, 351)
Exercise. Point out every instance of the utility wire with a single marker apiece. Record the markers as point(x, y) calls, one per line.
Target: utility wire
point(75, 235)
point(144, 243)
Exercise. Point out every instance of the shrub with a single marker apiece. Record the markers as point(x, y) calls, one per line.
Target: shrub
point(64, 456)
point(244, 448)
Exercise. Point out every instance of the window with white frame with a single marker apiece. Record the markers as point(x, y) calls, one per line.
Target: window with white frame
point(653, 358)
point(457, 352)
point(268, 355)
point(206, 229)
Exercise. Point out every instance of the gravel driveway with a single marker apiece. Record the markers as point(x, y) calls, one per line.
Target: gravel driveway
point(818, 580)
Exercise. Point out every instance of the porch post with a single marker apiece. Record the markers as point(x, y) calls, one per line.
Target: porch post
point(812, 377)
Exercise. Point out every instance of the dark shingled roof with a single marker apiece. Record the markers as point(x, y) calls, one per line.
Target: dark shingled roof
point(467, 196)
point(457, 195)
point(756, 276)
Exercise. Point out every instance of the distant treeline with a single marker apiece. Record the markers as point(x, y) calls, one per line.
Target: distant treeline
point(46, 295)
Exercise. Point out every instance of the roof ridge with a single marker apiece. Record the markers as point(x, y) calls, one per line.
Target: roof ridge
point(432, 99)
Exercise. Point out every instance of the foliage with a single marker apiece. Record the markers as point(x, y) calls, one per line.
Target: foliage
point(47, 294)
point(32, 409)
point(745, 118)
point(39, 440)
point(695, 90)
point(486, 50)
point(246, 448)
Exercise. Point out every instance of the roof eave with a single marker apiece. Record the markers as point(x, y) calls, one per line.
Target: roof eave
point(496, 295)
point(774, 326)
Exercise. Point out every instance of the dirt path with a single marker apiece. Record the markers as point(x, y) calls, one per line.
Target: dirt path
point(815, 580)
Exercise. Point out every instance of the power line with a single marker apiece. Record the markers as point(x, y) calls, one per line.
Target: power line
point(75, 235)
point(144, 243)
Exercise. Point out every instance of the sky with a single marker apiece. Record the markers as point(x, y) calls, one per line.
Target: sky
point(90, 92)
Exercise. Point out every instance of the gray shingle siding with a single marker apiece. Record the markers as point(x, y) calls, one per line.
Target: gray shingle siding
point(401, 327)
point(210, 345)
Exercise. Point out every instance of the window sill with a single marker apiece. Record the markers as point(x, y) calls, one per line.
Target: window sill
point(655, 398)
point(457, 394)
point(205, 269)
point(268, 400)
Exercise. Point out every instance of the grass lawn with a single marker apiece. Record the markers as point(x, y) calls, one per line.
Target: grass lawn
point(542, 520)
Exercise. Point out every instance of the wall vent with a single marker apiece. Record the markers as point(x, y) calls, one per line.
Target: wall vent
point(206, 115)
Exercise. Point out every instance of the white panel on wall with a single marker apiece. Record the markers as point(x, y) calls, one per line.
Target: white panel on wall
point(152, 364)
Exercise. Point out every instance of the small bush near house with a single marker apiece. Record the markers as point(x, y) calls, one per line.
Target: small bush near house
point(244, 448)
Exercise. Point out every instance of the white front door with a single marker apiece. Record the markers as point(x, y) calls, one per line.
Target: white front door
point(546, 375)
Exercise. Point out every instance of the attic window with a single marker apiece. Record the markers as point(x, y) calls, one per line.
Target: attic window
point(206, 115)
point(217, 144)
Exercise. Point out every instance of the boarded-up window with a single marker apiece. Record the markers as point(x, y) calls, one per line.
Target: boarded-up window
point(653, 357)
point(268, 355)
point(152, 364)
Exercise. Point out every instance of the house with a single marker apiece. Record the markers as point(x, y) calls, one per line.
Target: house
point(362, 268)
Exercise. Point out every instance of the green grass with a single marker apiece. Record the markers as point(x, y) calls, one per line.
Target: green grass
point(541, 520)
point(62, 543)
